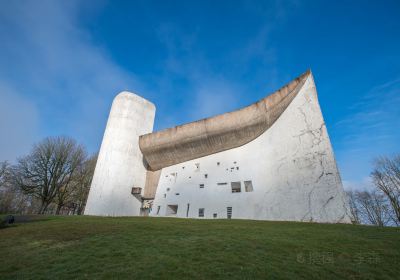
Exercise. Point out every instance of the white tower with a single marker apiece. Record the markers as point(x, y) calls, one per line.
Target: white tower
point(120, 165)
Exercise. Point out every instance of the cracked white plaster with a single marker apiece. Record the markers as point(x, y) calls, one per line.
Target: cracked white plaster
point(291, 166)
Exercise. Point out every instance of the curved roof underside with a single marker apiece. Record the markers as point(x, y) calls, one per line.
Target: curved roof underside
point(219, 133)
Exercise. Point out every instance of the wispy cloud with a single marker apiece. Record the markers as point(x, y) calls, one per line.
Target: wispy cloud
point(52, 64)
point(359, 185)
point(67, 80)
point(19, 123)
point(372, 129)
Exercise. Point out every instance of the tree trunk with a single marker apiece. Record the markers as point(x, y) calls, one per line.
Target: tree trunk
point(59, 206)
point(43, 207)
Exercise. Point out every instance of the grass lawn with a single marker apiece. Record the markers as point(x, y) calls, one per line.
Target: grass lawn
point(139, 247)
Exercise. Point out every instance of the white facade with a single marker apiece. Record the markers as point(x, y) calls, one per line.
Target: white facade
point(291, 168)
point(287, 173)
point(120, 162)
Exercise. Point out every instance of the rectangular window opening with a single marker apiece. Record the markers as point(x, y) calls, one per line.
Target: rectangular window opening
point(201, 186)
point(229, 212)
point(236, 187)
point(221, 184)
point(214, 215)
point(158, 209)
point(248, 185)
point(187, 210)
point(201, 212)
point(172, 209)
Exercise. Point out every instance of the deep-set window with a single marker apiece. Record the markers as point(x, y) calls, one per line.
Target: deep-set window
point(236, 187)
point(201, 212)
point(248, 186)
point(201, 186)
point(172, 209)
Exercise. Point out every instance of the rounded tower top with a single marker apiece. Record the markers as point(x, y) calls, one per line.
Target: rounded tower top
point(126, 95)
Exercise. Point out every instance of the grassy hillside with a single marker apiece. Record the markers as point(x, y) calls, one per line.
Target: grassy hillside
point(94, 247)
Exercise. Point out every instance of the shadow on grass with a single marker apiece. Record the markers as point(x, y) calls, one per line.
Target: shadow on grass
point(20, 219)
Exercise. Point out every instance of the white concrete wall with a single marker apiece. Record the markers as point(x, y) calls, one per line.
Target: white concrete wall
point(291, 166)
point(120, 163)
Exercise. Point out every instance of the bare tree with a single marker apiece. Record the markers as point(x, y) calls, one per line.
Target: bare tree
point(48, 170)
point(77, 156)
point(354, 207)
point(12, 200)
point(3, 170)
point(6, 196)
point(386, 177)
point(75, 201)
point(83, 180)
point(373, 207)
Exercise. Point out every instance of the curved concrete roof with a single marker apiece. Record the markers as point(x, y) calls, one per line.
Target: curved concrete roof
point(219, 133)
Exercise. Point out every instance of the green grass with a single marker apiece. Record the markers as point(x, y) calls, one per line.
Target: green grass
point(167, 248)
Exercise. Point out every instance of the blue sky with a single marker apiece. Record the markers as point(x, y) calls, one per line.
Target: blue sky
point(62, 62)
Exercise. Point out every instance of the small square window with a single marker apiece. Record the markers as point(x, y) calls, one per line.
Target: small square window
point(201, 212)
point(248, 185)
point(218, 163)
point(205, 175)
point(172, 209)
point(201, 186)
point(214, 215)
point(236, 187)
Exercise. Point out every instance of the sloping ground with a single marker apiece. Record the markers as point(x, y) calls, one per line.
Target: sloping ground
point(94, 247)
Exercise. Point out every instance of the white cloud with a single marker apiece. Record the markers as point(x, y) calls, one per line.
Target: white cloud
point(51, 61)
point(363, 185)
point(214, 97)
point(372, 130)
point(18, 124)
